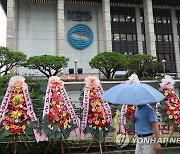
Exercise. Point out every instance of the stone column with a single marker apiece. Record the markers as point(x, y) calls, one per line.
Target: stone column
point(107, 25)
point(60, 28)
point(11, 38)
point(139, 30)
point(100, 28)
point(149, 27)
point(176, 43)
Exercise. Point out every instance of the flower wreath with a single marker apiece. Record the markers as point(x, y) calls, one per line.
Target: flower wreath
point(16, 111)
point(171, 109)
point(96, 115)
point(128, 111)
point(59, 117)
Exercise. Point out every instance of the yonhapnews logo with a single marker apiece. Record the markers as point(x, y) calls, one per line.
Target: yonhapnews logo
point(123, 140)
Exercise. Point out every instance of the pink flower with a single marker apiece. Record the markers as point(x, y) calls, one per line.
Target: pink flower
point(168, 112)
point(93, 109)
point(7, 110)
point(4, 123)
point(175, 117)
point(51, 110)
point(56, 118)
point(90, 121)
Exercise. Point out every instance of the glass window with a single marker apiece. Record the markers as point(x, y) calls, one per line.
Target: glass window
point(164, 20)
point(133, 19)
point(116, 37)
point(172, 57)
point(141, 19)
point(168, 20)
point(128, 18)
point(134, 37)
point(160, 38)
point(123, 37)
point(129, 37)
point(121, 18)
point(177, 20)
point(115, 17)
point(143, 37)
point(158, 20)
point(166, 38)
point(170, 38)
point(167, 57)
point(161, 57)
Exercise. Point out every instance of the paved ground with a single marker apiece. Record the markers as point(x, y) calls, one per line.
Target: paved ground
point(169, 150)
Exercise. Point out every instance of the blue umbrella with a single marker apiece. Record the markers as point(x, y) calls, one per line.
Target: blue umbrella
point(132, 94)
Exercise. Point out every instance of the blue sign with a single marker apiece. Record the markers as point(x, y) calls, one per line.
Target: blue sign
point(80, 36)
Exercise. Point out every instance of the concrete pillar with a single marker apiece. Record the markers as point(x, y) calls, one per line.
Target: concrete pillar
point(100, 28)
point(149, 27)
point(60, 28)
point(139, 30)
point(107, 25)
point(11, 37)
point(176, 43)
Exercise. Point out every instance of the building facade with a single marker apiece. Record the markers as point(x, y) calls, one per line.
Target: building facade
point(80, 29)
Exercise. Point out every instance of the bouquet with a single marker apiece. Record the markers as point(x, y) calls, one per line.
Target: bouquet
point(96, 114)
point(16, 111)
point(170, 109)
point(59, 118)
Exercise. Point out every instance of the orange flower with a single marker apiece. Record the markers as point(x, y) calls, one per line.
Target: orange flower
point(23, 127)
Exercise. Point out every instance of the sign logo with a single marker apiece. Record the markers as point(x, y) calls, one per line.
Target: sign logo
point(80, 15)
point(80, 36)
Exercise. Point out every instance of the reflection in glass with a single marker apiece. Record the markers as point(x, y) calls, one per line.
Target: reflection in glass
point(123, 37)
point(116, 37)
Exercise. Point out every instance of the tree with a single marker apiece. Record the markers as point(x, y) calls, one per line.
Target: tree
point(154, 68)
point(140, 63)
point(10, 59)
point(108, 63)
point(47, 64)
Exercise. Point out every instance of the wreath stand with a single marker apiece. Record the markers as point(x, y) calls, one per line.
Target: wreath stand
point(61, 145)
point(100, 145)
point(15, 144)
point(172, 131)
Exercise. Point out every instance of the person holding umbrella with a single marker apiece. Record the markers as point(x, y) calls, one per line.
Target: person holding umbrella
point(146, 122)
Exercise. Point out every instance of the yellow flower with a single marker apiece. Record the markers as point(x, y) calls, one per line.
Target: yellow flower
point(7, 127)
point(97, 102)
point(23, 127)
point(165, 93)
point(172, 108)
point(53, 102)
point(65, 124)
point(91, 94)
point(58, 106)
point(58, 93)
point(175, 112)
point(15, 100)
point(53, 121)
point(64, 114)
point(96, 122)
point(12, 126)
point(133, 107)
point(103, 121)
point(170, 116)
point(16, 114)
point(178, 126)
point(3, 117)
